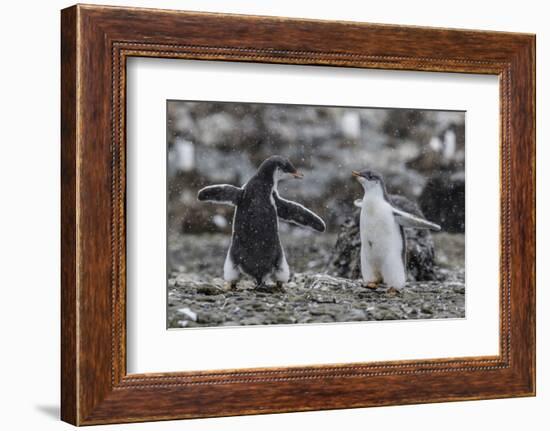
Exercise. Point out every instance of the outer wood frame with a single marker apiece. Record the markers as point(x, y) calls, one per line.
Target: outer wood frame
point(96, 41)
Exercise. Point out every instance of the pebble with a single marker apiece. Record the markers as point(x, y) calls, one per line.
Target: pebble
point(188, 313)
point(210, 318)
point(426, 310)
point(208, 290)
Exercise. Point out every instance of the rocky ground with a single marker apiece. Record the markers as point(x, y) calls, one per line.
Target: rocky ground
point(197, 298)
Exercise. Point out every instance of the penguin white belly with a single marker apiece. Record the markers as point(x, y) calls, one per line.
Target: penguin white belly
point(381, 245)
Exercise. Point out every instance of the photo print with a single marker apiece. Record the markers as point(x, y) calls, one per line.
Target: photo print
point(293, 214)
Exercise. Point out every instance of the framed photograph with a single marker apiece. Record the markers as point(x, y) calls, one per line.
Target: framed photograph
point(264, 215)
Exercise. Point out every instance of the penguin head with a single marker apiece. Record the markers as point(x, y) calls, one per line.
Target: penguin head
point(370, 180)
point(279, 167)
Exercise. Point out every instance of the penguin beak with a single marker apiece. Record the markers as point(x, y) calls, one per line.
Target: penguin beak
point(298, 175)
point(355, 174)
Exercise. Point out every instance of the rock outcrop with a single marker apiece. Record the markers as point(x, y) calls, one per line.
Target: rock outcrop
point(442, 200)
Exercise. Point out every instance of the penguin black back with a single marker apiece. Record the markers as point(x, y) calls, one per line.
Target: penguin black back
point(256, 246)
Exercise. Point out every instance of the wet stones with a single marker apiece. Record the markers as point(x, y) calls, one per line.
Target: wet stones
point(313, 298)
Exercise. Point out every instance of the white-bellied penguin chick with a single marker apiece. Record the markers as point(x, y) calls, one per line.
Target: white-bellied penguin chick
point(255, 247)
point(383, 241)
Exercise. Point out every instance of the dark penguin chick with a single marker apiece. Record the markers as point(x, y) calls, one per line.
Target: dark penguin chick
point(255, 245)
point(383, 246)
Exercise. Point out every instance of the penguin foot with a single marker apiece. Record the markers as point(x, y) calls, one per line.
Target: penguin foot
point(279, 286)
point(230, 285)
point(371, 285)
point(392, 291)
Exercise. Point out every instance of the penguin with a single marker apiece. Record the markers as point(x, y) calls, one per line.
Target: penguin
point(255, 248)
point(383, 241)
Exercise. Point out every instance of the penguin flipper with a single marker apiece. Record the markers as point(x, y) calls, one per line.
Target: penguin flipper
point(221, 193)
point(406, 219)
point(293, 212)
